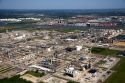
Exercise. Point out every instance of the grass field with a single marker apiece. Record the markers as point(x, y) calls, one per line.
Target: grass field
point(15, 79)
point(72, 81)
point(104, 51)
point(35, 73)
point(67, 30)
point(119, 75)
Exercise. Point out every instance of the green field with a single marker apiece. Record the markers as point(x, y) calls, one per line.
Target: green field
point(35, 73)
point(104, 51)
point(15, 79)
point(72, 81)
point(119, 75)
point(101, 62)
point(66, 30)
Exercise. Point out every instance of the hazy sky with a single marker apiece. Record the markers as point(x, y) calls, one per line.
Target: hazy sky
point(61, 4)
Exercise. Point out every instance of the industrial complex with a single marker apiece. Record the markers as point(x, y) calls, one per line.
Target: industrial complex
point(57, 56)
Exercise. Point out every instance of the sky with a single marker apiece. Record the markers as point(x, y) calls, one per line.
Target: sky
point(62, 4)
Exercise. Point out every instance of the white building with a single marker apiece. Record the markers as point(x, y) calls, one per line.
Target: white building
point(71, 72)
point(78, 48)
